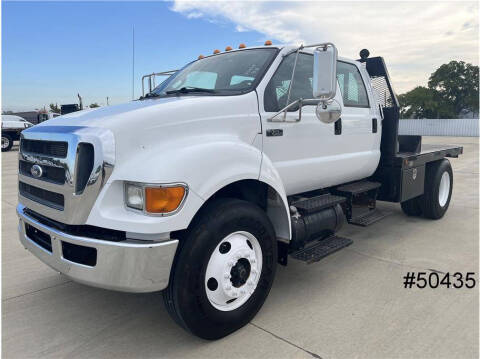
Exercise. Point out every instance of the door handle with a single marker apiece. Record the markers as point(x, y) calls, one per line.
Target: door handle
point(374, 125)
point(338, 127)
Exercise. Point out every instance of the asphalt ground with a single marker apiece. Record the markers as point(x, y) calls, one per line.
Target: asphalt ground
point(352, 304)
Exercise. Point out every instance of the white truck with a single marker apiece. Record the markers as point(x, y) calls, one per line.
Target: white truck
point(11, 127)
point(233, 164)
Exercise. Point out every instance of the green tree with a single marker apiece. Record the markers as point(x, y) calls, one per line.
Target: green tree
point(457, 83)
point(423, 102)
point(452, 88)
point(54, 108)
point(93, 105)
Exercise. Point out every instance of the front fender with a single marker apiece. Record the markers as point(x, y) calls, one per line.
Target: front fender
point(205, 167)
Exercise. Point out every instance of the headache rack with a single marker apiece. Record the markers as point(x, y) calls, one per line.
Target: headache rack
point(403, 158)
point(151, 79)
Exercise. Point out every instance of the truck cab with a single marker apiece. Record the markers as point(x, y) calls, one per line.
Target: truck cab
point(235, 163)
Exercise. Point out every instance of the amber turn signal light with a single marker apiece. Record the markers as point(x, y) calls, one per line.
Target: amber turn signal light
point(163, 199)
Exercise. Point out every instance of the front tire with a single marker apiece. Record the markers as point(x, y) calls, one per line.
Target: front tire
point(224, 269)
point(7, 142)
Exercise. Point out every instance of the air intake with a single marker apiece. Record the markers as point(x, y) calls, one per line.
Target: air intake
point(84, 167)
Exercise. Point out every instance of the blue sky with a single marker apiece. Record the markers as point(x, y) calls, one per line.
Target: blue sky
point(52, 50)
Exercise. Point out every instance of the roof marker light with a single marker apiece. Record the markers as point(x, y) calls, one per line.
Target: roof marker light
point(228, 48)
point(242, 46)
point(268, 43)
point(200, 57)
point(216, 51)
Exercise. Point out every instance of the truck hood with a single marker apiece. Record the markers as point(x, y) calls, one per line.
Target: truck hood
point(159, 124)
point(117, 115)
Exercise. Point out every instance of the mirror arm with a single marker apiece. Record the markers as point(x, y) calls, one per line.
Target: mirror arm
point(284, 110)
point(291, 81)
point(301, 102)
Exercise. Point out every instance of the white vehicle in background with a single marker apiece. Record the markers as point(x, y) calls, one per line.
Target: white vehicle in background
point(231, 165)
point(11, 128)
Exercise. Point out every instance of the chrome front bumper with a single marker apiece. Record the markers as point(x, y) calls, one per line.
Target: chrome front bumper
point(129, 266)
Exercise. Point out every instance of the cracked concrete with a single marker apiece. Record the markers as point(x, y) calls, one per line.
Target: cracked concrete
point(351, 304)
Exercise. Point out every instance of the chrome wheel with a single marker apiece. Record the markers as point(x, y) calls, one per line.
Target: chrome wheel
point(444, 189)
point(5, 142)
point(233, 271)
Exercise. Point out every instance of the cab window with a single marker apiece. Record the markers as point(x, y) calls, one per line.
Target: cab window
point(349, 79)
point(351, 85)
point(276, 92)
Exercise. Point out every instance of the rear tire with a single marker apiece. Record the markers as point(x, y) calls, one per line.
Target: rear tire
point(413, 207)
point(7, 142)
point(438, 189)
point(202, 305)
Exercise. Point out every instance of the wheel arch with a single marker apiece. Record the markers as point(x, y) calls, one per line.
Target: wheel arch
point(263, 195)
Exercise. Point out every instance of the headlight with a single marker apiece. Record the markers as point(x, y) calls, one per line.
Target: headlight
point(134, 196)
point(155, 199)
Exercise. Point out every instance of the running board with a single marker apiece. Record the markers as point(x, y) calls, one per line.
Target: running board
point(367, 218)
point(321, 249)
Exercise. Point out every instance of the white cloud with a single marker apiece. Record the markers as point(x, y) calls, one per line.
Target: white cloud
point(414, 37)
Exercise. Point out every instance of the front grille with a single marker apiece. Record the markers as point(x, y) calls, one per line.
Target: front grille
point(50, 173)
point(48, 198)
point(47, 148)
point(39, 237)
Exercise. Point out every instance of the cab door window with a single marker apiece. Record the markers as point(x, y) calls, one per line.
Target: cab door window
point(276, 92)
point(351, 85)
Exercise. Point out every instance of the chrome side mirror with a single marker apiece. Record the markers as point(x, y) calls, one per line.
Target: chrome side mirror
point(325, 72)
point(328, 111)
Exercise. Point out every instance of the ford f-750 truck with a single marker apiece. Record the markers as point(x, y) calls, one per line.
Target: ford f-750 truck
point(238, 161)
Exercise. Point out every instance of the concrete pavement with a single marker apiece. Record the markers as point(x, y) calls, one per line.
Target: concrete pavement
point(350, 305)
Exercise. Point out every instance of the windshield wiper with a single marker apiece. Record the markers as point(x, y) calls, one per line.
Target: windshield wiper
point(189, 90)
point(149, 95)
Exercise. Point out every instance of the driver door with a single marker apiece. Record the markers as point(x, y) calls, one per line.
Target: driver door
point(308, 154)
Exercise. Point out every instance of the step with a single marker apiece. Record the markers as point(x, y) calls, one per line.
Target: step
point(367, 218)
point(318, 250)
point(315, 204)
point(358, 187)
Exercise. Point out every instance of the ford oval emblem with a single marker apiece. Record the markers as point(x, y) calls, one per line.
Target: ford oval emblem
point(36, 171)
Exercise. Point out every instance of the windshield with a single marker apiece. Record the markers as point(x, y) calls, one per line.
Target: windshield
point(224, 74)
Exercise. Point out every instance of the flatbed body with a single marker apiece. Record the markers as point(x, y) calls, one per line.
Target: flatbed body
point(428, 153)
